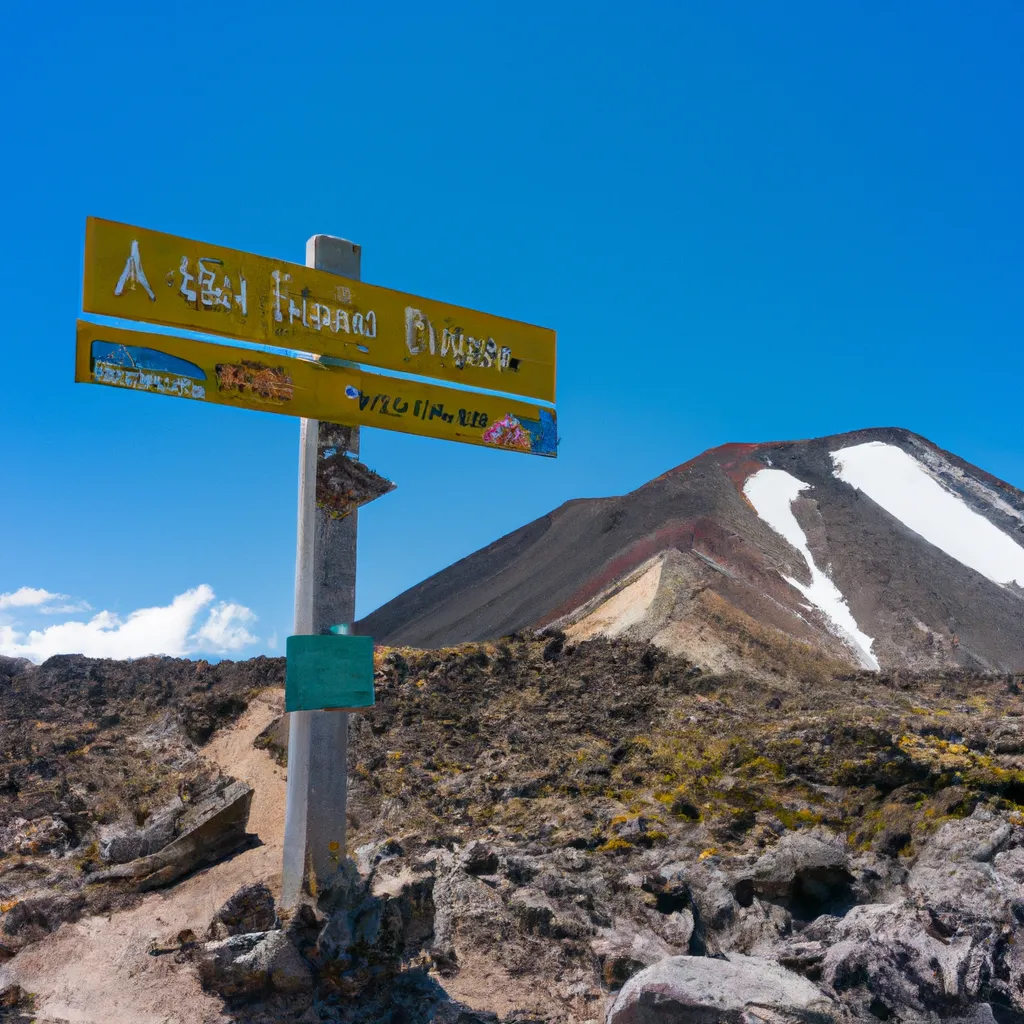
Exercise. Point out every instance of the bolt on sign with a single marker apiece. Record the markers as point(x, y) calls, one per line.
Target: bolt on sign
point(136, 274)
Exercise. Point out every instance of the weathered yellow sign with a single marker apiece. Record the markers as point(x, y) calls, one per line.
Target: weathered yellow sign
point(137, 274)
point(252, 379)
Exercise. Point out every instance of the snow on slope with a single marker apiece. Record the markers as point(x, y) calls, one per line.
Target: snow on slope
point(772, 492)
point(938, 467)
point(905, 489)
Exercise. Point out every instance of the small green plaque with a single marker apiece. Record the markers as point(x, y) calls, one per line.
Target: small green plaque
point(329, 672)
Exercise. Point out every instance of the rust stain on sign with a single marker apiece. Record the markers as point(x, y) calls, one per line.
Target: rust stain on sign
point(137, 274)
point(256, 380)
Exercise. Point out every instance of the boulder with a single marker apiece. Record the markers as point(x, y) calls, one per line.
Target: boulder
point(622, 952)
point(757, 929)
point(464, 905)
point(121, 843)
point(478, 859)
point(334, 940)
point(302, 928)
point(250, 909)
point(709, 888)
point(253, 964)
point(378, 925)
point(452, 1012)
point(274, 740)
point(536, 914)
point(891, 959)
point(808, 871)
point(208, 832)
point(957, 873)
point(702, 990)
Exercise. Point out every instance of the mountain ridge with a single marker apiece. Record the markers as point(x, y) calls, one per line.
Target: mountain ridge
point(918, 605)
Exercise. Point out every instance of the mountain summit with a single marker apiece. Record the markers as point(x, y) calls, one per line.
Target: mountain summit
point(875, 548)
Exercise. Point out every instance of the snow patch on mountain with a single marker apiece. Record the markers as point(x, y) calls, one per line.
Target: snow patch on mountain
point(940, 468)
point(898, 483)
point(772, 493)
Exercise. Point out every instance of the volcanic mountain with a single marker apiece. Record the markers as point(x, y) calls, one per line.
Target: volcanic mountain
point(875, 548)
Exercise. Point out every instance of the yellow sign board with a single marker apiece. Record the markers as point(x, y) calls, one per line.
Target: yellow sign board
point(251, 379)
point(137, 274)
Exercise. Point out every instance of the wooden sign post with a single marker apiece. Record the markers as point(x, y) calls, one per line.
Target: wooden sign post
point(325, 595)
point(311, 332)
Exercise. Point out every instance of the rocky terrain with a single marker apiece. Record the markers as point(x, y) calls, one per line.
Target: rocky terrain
point(884, 550)
point(540, 830)
point(104, 793)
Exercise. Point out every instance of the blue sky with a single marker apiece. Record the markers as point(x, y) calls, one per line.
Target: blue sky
point(746, 222)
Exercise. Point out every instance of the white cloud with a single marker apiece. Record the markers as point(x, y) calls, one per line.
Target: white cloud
point(29, 597)
point(168, 629)
point(224, 629)
point(68, 608)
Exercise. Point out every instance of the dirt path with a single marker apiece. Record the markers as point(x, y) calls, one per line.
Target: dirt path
point(98, 970)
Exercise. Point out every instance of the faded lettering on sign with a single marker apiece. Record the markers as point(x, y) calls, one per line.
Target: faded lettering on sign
point(149, 276)
point(454, 344)
point(146, 369)
point(535, 436)
point(207, 286)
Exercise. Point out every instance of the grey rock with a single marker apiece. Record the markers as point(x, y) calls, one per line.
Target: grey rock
point(622, 953)
point(701, 990)
point(379, 924)
point(208, 832)
point(274, 740)
point(957, 871)
point(121, 843)
point(46, 834)
point(335, 939)
point(370, 855)
point(302, 929)
point(453, 1012)
point(520, 869)
point(678, 928)
point(289, 972)
point(632, 829)
point(478, 859)
point(897, 956)
point(1010, 864)
point(810, 867)
point(347, 890)
point(757, 929)
point(464, 904)
point(535, 913)
point(712, 894)
point(250, 909)
point(980, 1014)
point(253, 964)
point(569, 859)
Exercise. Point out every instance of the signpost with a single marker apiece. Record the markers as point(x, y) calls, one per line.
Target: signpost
point(224, 375)
point(311, 331)
point(145, 275)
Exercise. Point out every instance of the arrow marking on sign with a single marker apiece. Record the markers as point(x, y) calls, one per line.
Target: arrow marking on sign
point(133, 273)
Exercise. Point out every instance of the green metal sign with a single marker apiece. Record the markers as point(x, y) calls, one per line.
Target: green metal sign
point(333, 672)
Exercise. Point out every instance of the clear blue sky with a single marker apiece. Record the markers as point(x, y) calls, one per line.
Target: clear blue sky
point(746, 221)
